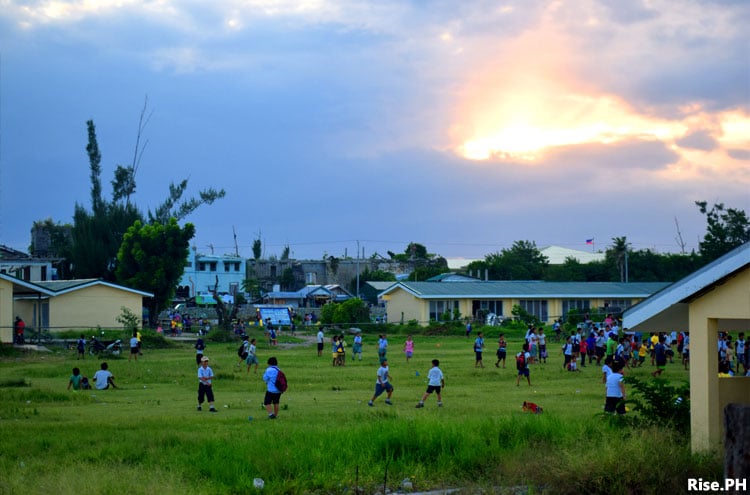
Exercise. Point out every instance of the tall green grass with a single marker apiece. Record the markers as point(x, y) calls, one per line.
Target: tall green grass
point(147, 437)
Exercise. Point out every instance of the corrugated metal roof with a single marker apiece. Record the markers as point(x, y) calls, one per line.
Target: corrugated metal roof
point(528, 289)
point(682, 290)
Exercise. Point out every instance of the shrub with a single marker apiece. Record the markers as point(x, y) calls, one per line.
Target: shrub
point(660, 403)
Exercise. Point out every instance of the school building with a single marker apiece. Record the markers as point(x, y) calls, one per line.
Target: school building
point(714, 299)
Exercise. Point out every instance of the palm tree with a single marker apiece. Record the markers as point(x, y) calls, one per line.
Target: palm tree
point(620, 249)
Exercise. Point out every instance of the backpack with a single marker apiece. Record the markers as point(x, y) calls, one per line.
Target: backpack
point(281, 383)
point(520, 361)
point(241, 350)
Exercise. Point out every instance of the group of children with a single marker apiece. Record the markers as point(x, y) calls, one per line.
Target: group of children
point(103, 379)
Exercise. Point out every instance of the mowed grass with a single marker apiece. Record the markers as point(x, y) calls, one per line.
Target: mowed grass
point(147, 437)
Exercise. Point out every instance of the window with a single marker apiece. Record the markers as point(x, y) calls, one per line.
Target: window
point(617, 305)
point(488, 306)
point(212, 266)
point(580, 305)
point(201, 266)
point(439, 308)
point(536, 307)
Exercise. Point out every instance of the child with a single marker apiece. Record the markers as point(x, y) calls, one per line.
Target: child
point(245, 350)
point(76, 380)
point(382, 384)
point(522, 364)
point(81, 347)
point(357, 348)
point(478, 347)
point(205, 389)
point(615, 400)
point(335, 350)
point(572, 366)
point(252, 358)
point(104, 378)
point(567, 350)
point(502, 350)
point(200, 346)
point(408, 348)
point(643, 352)
point(435, 383)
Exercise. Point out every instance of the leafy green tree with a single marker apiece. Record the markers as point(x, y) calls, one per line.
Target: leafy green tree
point(349, 312)
point(252, 286)
point(287, 278)
point(522, 261)
point(422, 273)
point(152, 258)
point(571, 270)
point(727, 228)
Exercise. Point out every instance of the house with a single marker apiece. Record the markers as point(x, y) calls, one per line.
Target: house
point(371, 290)
point(310, 296)
point(714, 299)
point(202, 272)
point(24, 266)
point(548, 301)
point(64, 304)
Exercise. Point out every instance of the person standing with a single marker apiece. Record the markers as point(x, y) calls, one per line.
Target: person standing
point(81, 347)
point(357, 347)
point(205, 385)
point(200, 346)
point(273, 394)
point(468, 329)
point(382, 384)
point(502, 350)
point(19, 327)
point(408, 348)
point(660, 356)
point(435, 383)
point(615, 401)
point(320, 341)
point(133, 347)
point(478, 348)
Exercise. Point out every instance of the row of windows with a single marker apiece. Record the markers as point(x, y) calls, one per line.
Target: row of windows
point(210, 266)
point(439, 310)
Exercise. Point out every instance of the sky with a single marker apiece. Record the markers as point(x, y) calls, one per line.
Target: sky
point(338, 126)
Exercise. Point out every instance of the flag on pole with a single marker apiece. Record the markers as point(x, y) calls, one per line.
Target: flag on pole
point(589, 241)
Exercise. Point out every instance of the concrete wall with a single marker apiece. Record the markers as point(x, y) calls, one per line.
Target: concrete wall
point(725, 308)
point(92, 306)
point(7, 317)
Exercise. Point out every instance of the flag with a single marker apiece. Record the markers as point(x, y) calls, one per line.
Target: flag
point(589, 241)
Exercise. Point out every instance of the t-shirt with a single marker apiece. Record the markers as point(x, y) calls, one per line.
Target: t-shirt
point(613, 385)
point(207, 373)
point(478, 344)
point(133, 342)
point(76, 381)
point(101, 378)
point(269, 376)
point(320, 337)
point(382, 375)
point(435, 377)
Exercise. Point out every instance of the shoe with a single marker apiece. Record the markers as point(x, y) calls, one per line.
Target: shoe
point(440, 404)
point(369, 403)
point(420, 405)
point(200, 408)
point(272, 416)
point(212, 410)
point(388, 401)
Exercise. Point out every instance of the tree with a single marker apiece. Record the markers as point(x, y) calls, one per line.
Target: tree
point(371, 276)
point(252, 287)
point(620, 251)
point(152, 258)
point(349, 312)
point(285, 253)
point(522, 261)
point(257, 249)
point(226, 313)
point(727, 229)
point(287, 278)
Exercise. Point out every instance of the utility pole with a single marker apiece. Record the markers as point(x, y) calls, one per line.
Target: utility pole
point(357, 269)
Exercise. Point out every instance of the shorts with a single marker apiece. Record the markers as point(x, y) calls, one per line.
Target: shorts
point(568, 357)
point(205, 391)
point(434, 388)
point(576, 348)
point(379, 389)
point(614, 404)
point(133, 350)
point(320, 346)
point(600, 352)
point(251, 360)
point(524, 372)
point(409, 354)
point(501, 354)
point(271, 398)
point(478, 355)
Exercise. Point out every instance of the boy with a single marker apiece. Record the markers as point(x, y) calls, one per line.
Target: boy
point(383, 384)
point(522, 365)
point(81, 347)
point(478, 347)
point(104, 378)
point(205, 389)
point(252, 358)
point(435, 383)
point(615, 400)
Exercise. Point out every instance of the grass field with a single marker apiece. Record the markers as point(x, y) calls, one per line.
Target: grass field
point(147, 437)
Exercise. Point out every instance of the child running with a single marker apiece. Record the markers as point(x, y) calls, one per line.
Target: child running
point(435, 383)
